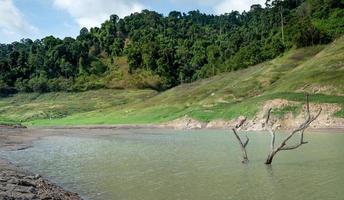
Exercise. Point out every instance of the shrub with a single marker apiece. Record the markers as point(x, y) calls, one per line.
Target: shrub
point(23, 85)
point(39, 84)
point(60, 84)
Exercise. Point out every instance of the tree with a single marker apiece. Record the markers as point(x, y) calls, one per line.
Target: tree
point(213, 55)
point(271, 127)
point(180, 47)
point(241, 143)
point(134, 57)
point(84, 32)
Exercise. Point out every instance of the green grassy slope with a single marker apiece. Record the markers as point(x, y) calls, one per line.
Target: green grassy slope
point(318, 69)
point(53, 106)
point(324, 73)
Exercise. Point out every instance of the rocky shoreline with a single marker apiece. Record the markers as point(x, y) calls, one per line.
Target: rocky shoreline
point(18, 184)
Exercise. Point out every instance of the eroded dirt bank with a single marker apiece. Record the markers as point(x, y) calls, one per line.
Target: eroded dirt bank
point(290, 120)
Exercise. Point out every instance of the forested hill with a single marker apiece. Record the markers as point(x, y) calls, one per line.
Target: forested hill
point(172, 49)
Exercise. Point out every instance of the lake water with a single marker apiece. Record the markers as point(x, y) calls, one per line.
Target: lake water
point(195, 165)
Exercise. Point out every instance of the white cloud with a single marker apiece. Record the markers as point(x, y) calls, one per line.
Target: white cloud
point(223, 6)
point(91, 13)
point(199, 2)
point(13, 25)
point(227, 6)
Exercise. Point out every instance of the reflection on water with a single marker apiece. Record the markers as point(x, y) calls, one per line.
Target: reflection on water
point(165, 164)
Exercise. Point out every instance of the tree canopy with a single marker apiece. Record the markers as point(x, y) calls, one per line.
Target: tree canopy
point(179, 47)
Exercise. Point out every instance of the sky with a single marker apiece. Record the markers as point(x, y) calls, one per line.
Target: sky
point(36, 19)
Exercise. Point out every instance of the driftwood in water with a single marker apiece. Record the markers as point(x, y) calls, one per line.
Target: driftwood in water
point(271, 128)
point(241, 143)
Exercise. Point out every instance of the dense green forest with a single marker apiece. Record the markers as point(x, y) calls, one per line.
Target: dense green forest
point(179, 48)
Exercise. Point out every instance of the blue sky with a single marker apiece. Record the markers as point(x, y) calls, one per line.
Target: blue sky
point(38, 18)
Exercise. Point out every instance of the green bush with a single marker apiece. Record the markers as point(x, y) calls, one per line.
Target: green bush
point(23, 85)
point(98, 68)
point(39, 84)
point(60, 84)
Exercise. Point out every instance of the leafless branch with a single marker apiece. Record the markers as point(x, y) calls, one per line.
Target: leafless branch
point(247, 140)
point(301, 129)
point(241, 143)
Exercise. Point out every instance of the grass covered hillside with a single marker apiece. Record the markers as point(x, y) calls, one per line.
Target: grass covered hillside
point(53, 106)
point(318, 70)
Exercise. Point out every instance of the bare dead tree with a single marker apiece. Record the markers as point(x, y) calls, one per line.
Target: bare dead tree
point(271, 127)
point(241, 143)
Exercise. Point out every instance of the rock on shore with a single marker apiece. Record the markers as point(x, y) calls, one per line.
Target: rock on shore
point(16, 184)
point(12, 126)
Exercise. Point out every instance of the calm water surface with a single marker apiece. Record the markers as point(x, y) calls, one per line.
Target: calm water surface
point(195, 165)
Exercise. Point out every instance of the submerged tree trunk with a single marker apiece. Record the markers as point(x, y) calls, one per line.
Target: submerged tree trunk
point(270, 158)
point(283, 145)
point(241, 143)
point(242, 146)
